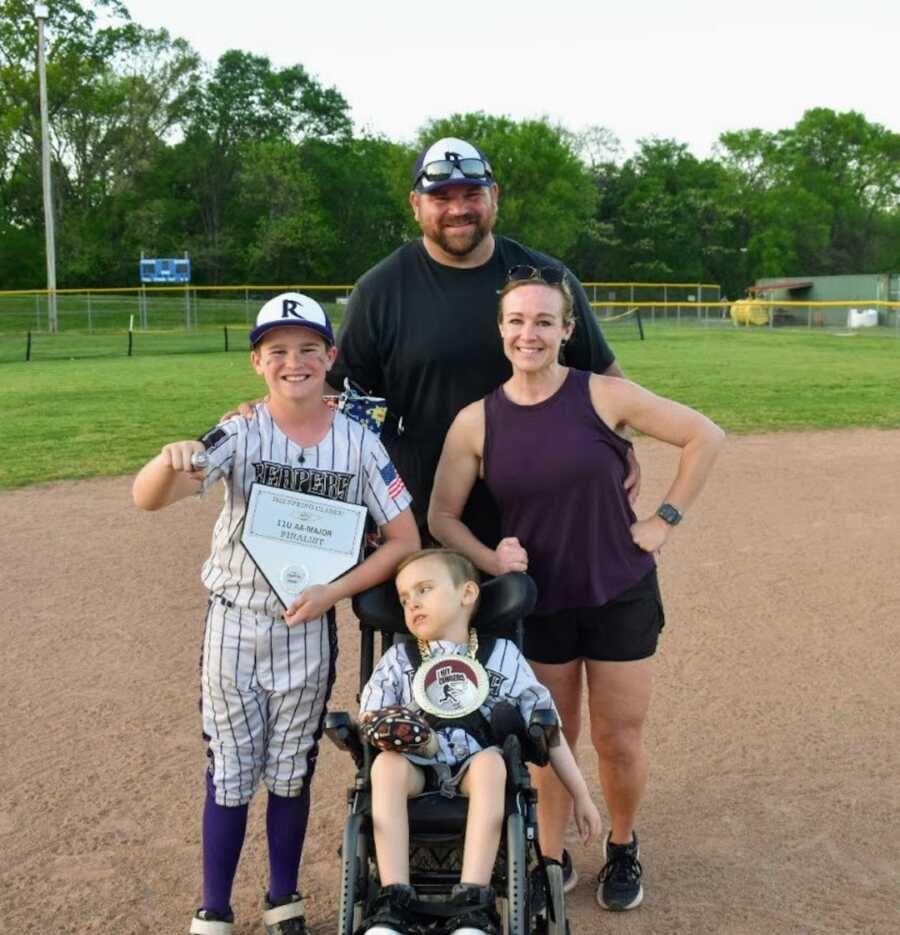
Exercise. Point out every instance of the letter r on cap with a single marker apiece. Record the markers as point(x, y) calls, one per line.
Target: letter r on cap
point(289, 307)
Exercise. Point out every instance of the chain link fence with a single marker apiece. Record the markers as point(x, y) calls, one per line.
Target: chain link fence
point(196, 319)
point(151, 320)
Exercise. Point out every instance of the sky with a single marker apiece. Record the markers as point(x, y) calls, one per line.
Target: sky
point(686, 70)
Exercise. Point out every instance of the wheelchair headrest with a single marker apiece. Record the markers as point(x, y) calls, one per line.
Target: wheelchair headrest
point(504, 601)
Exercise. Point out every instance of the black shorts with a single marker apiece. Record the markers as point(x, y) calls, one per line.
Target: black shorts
point(624, 629)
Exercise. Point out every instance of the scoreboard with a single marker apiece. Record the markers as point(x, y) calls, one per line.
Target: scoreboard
point(167, 271)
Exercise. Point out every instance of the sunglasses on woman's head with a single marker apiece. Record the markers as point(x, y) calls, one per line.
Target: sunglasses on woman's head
point(550, 275)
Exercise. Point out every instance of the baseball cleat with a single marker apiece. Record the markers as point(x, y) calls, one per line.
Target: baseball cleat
point(206, 922)
point(285, 917)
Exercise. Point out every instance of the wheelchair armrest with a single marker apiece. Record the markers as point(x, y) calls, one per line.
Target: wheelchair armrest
point(516, 771)
point(343, 732)
point(543, 733)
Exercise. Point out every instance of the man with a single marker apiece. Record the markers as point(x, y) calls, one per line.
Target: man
point(421, 325)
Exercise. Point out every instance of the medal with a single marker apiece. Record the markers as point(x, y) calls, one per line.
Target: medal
point(450, 686)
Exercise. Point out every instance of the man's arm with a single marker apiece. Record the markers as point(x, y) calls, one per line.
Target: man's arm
point(358, 357)
point(587, 349)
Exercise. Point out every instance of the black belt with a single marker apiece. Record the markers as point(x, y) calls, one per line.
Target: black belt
point(221, 600)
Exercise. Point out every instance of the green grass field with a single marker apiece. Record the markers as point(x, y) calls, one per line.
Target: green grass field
point(105, 416)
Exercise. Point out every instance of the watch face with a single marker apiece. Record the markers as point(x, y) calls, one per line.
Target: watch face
point(668, 513)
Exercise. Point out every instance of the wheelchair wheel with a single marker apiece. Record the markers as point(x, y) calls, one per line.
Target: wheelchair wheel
point(557, 923)
point(516, 877)
point(354, 873)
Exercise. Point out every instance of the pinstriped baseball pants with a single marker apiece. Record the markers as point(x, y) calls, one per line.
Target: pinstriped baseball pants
point(264, 688)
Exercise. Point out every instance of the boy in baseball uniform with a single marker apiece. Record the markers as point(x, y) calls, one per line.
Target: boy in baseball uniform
point(267, 670)
point(440, 675)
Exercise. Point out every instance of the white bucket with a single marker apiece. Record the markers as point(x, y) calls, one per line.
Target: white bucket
point(862, 318)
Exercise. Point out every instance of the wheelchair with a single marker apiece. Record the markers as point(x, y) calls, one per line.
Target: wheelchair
point(530, 892)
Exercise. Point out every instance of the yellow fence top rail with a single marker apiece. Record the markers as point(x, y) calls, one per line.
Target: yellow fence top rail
point(308, 287)
point(611, 303)
point(179, 289)
point(657, 285)
point(756, 303)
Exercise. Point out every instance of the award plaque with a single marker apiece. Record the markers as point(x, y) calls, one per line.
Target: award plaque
point(297, 540)
point(450, 686)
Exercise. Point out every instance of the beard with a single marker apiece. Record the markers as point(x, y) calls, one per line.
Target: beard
point(455, 243)
point(452, 241)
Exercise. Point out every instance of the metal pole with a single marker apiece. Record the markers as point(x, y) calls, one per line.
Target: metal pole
point(90, 321)
point(41, 13)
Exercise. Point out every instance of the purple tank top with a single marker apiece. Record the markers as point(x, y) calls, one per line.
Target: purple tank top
point(556, 471)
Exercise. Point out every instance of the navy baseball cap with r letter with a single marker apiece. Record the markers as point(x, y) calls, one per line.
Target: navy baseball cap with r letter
point(450, 161)
point(292, 308)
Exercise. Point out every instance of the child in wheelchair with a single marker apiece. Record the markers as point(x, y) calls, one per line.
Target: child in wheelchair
point(426, 709)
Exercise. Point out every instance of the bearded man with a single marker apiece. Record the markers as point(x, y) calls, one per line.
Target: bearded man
point(421, 326)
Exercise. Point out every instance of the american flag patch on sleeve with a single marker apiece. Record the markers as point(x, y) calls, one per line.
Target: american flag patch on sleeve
point(393, 480)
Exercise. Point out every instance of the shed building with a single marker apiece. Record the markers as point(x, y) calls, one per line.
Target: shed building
point(856, 289)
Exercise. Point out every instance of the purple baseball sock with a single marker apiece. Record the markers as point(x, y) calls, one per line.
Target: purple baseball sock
point(223, 837)
point(286, 821)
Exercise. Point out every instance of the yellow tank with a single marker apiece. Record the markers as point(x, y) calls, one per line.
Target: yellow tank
point(749, 312)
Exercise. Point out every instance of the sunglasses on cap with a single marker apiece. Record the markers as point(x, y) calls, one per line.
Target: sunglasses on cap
point(550, 275)
point(442, 169)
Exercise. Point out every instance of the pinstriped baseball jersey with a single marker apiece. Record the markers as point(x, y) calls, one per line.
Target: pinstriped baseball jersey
point(348, 464)
point(265, 685)
point(511, 679)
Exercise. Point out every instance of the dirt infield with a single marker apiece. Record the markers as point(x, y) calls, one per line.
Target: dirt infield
point(775, 734)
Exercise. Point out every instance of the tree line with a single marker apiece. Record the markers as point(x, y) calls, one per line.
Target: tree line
point(257, 173)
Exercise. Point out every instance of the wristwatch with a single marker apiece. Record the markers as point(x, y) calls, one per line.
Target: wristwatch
point(669, 514)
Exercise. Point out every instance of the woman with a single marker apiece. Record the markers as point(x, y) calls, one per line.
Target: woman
point(547, 444)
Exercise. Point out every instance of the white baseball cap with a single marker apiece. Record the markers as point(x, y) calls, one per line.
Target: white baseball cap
point(292, 308)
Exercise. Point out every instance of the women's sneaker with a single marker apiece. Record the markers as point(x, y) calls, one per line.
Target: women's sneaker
point(620, 886)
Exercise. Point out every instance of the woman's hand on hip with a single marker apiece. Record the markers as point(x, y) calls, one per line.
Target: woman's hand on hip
point(650, 534)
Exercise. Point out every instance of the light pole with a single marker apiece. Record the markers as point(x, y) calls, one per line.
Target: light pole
point(40, 14)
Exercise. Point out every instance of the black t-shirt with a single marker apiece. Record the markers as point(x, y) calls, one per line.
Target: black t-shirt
point(425, 337)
